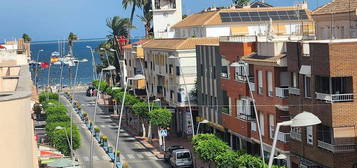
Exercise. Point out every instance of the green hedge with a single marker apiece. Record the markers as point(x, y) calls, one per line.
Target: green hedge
point(56, 115)
point(213, 150)
point(51, 96)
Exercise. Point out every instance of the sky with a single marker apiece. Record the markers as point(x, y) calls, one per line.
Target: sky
point(53, 19)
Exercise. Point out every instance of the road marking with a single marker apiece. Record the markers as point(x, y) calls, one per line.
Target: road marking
point(138, 145)
point(140, 156)
point(148, 154)
point(103, 126)
point(131, 156)
point(96, 158)
point(106, 157)
point(122, 157)
point(85, 158)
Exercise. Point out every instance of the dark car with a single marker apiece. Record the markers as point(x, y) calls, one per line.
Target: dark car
point(169, 151)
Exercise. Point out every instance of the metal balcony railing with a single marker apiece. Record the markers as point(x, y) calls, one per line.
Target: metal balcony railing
point(295, 135)
point(347, 97)
point(281, 92)
point(283, 137)
point(294, 91)
point(336, 148)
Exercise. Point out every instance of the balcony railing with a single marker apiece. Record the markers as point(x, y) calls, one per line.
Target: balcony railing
point(335, 97)
point(295, 135)
point(336, 148)
point(294, 91)
point(282, 92)
point(246, 117)
point(283, 137)
point(252, 86)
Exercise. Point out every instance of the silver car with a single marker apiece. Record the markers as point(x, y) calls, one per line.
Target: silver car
point(181, 158)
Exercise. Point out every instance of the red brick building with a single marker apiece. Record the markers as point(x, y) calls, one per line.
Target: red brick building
point(323, 82)
point(269, 82)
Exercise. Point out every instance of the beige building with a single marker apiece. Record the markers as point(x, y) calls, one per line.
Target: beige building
point(170, 71)
point(336, 20)
point(17, 144)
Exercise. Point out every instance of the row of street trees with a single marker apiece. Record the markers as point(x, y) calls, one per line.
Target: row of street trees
point(56, 117)
point(214, 151)
point(156, 116)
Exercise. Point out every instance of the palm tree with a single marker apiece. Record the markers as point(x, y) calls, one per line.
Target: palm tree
point(26, 38)
point(134, 3)
point(71, 38)
point(119, 26)
point(146, 18)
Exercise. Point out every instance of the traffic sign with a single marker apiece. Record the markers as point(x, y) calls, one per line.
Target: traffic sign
point(163, 132)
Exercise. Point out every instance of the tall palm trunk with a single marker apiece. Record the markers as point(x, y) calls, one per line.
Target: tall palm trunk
point(131, 19)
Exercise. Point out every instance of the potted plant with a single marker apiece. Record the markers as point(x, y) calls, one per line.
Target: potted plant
point(105, 141)
point(96, 132)
point(84, 117)
point(125, 165)
point(117, 154)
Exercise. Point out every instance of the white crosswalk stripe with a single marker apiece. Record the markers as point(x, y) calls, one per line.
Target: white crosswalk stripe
point(103, 126)
point(140, 156)
point(86, 158)
point(95, 158)
point(148, 154)
point(131, 156)
point(106, 157)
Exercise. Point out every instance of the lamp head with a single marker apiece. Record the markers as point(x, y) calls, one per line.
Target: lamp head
point(204, 121)
point(172, 57)
point(109, 68)
point(88, 46)
point(139, 77)
point(238, 64)
point(281, 157)
point(102, 49)
point(112, 50)
point(83, 60)
point(305, 119)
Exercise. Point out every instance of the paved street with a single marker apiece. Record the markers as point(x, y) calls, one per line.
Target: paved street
point(100, 158)
point(131, 150)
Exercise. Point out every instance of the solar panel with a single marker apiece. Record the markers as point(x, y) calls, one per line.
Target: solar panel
point(263, 16)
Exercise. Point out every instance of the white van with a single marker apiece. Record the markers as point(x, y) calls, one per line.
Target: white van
point(181, 158)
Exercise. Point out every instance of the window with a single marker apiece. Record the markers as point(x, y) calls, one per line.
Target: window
point(178, 71)
point(324, 133)
point(146, 64)
point(244, 109)
point(166, 68)
point(307, 87)
point(151, 65)
point(225, 72)
point(179, 97)
point(229, 106)
point(170, 68)
point(261, 122)
point(270, 83)
point(309, 135)
point(271, 126)
point(306, 49)
point(214, 72)
point(295, 80)
point(260, 82)
point(129, 62)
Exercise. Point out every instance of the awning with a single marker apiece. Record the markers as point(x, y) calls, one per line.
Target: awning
point(344, 135)
point(2, 47)
point(305, 70)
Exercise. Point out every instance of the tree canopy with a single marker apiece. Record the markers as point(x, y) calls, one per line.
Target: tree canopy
point(160, 117)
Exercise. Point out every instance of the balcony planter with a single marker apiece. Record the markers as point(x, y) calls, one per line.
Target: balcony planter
point(84, 116)
point(105, 141)
point(117, 154)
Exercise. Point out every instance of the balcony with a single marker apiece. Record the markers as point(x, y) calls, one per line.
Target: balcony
point(252, 86)
point(283, 137)
point(253, 126)
point(335, 97)
point(247, 117)
point(294, 91)
point(165, 5)
point(281, 92)
point(295, 135)
point(336, 148)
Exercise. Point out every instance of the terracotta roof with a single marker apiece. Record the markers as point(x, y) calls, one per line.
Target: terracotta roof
point(140, 42)
point(336, 6)
point(179, 43)
point(213, 17)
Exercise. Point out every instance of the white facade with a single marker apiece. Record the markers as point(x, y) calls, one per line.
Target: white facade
point(168, 78)
point(166, 13)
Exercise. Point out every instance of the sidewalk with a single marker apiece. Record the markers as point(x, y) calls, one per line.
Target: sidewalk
point(153, 146)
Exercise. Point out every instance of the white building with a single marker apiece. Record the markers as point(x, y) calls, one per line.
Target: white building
point(170, 68)
point(294, 20)
point(166, 13)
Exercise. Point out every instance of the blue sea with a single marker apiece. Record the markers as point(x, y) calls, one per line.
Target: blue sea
point(79, 51)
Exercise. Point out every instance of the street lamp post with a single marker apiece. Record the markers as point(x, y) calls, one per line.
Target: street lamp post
point(303, 119)
point(187, 94)
point(69, 144)
point(38, 55)
point(73, 90)
point(136, 77)
point(244, 65)
point(106, 55)
point(201, 122)
point(93, 63)
point(109, 68)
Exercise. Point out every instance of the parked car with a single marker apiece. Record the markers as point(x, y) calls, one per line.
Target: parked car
point(181, 158)
point(169, 150)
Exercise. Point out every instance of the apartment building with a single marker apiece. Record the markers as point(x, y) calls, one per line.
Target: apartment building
point(265, 63)
point(209, 92)
point(170, 71)
point(336, 20)
point(323, 82)
point(133, 64)
point(292, 20)
point(17, 135)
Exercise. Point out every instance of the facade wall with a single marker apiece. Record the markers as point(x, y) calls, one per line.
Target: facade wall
point(327, 60)
point(165, 18)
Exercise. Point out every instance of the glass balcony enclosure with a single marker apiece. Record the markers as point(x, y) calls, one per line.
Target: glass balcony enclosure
point(334, 89)
point(165, 4)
